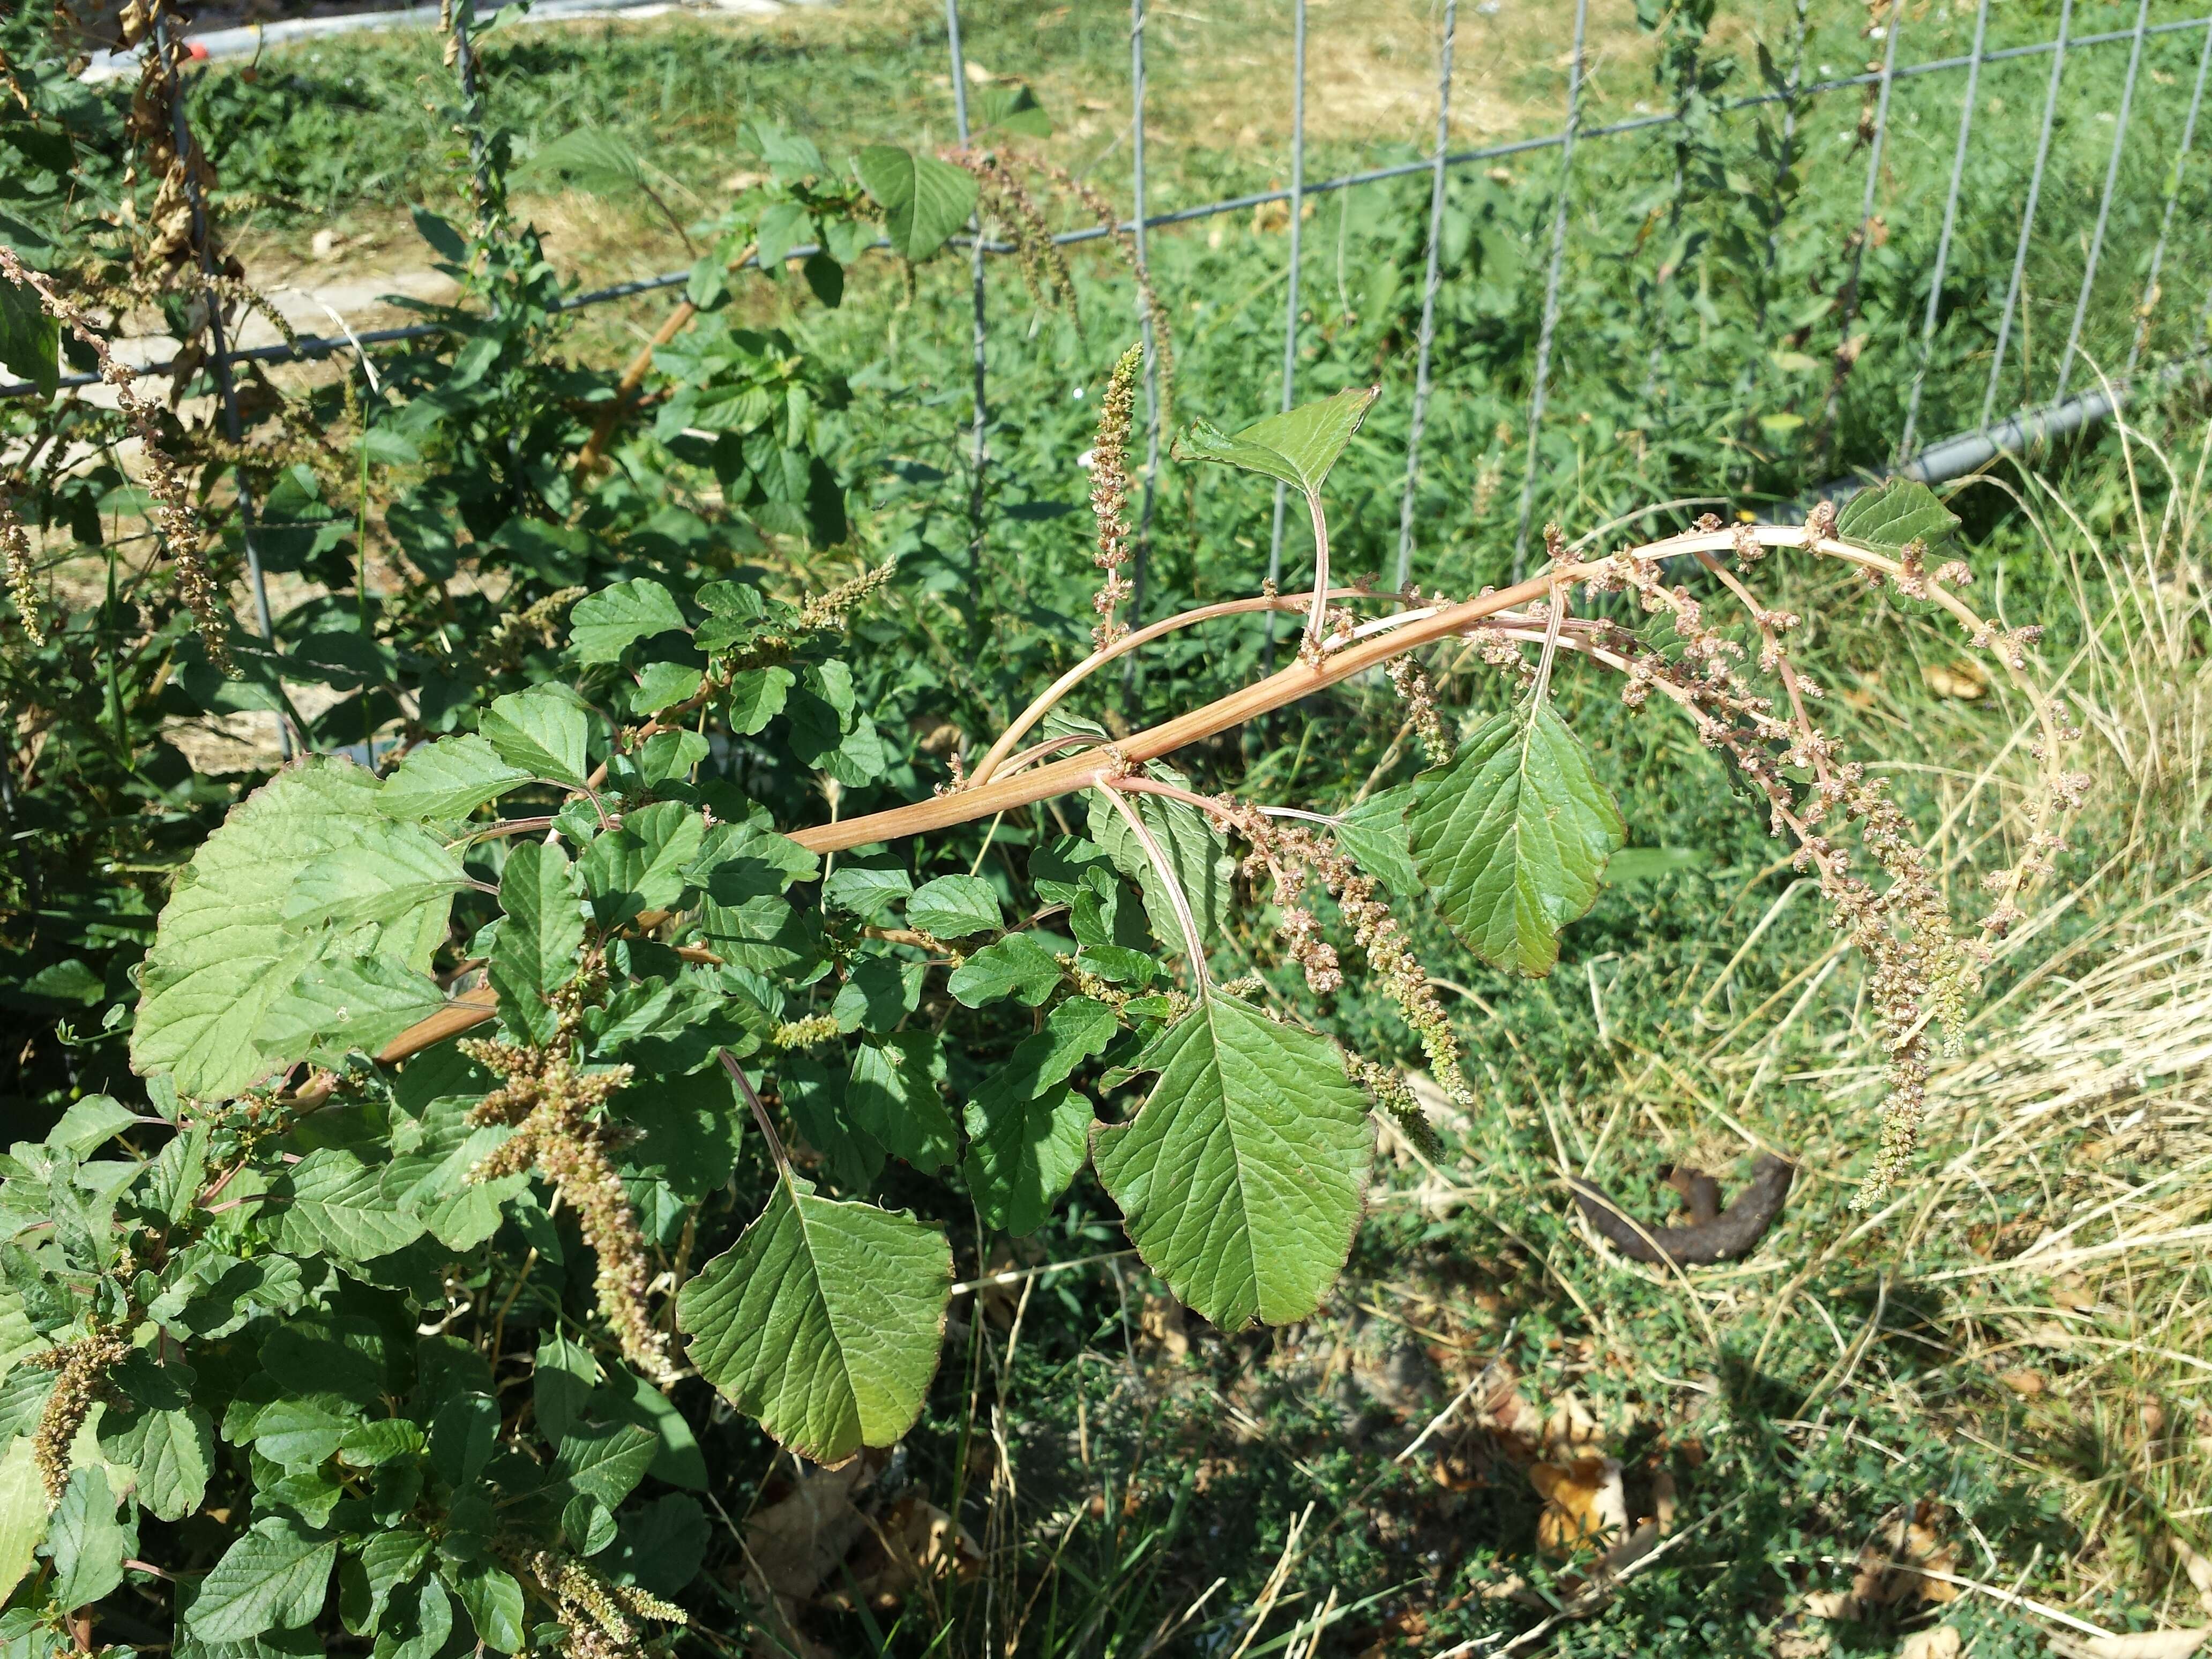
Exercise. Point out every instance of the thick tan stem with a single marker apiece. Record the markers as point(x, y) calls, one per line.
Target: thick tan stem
point(1300, 680)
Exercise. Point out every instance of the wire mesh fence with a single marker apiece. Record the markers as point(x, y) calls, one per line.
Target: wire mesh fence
point(1819, 272)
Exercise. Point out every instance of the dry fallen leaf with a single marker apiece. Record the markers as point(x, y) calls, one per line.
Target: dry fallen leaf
point(1583, 1502)
point(1831, 1604)
point(2199, 1569)
point(1961, 681)
point(1894, 1565)
point(1161, 1320)
point(1939, 1643)
point(2024, 1383)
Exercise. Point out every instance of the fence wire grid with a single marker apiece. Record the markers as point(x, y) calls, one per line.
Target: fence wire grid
point(2141, 301)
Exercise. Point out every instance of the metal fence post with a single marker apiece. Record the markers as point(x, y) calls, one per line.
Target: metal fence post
point(1428, 334)
point(1950, 220)
point(2027, 212)
point(1290, 307)
point(1143, 557)
point(219, 359)
point(2142, 335)
point(2104, 202)
point(1551, 286)
point(981, 452)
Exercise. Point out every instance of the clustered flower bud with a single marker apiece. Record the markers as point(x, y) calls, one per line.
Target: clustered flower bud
point(1411, 682)
point(596, 1616)
point(828, 609)
point(1109, 493)
point(1291, 853)
point(83, 1366)
point(552, 1107)
point(1388, 1092)
point(171, 511)
point(22, 580)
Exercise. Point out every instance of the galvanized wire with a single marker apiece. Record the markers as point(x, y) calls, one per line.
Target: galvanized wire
point(2105, 201)
point(2172, 195)
point(1849, 308)
point(2027, 212)
point(1297, 199)
point(981, 452)
point(313, 346)
point(1428, 333)
point(1552, 285)
point(1143, 554)
point(1943, 241)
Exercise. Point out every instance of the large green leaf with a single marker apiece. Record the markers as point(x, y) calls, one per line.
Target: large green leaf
point(172, 1453)
point(86, 1544)
point(274, 1576)
point(606, 624)
point(924, 200)
point(347, 1002)
point(1298, 447)
point(1029, 1132)
point(333, 1204)
point(1240, 1180)
point(1894, 512)
point(543, 731)
point(539, 937)
point(954, 907)
point(223, 950)
point(823, 1321)
point(590, 158)
point(449, 778)
point(22, 1512)
point(1512, 837)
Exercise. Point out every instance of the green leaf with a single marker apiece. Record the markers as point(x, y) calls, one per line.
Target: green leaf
point(607, 1461)
point(463, 1436)
point(954, 906)
point(1195, 850)
point(641, 866)
point(348, 1002)
point(757, 696)
point(23, 1512)
point(1374, 834)
point(865, 891)
point(591, 159)
point(90, 1124)
point(172, 1453)
point(663, 684)
point(823, 1321)
point(276, 1576)
point(493, 1601)
point(924, 200)
point(543, 731)
point(1894, 512)
point(892, 1095)
point(332, 1205)
point(420, 1625)
point(1018, 965)
point(86, 1544)
point(223, 952)
point(449, 778)
point(1298, 447)
point(393, 871)
point(1029, 1132)
point(606, 624)
point(1636, 864)
point(1240, 1180)
point(1512, 837)
point(1013, 108)
point(561, 1377)
point(540, 936)
point(31, 341)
